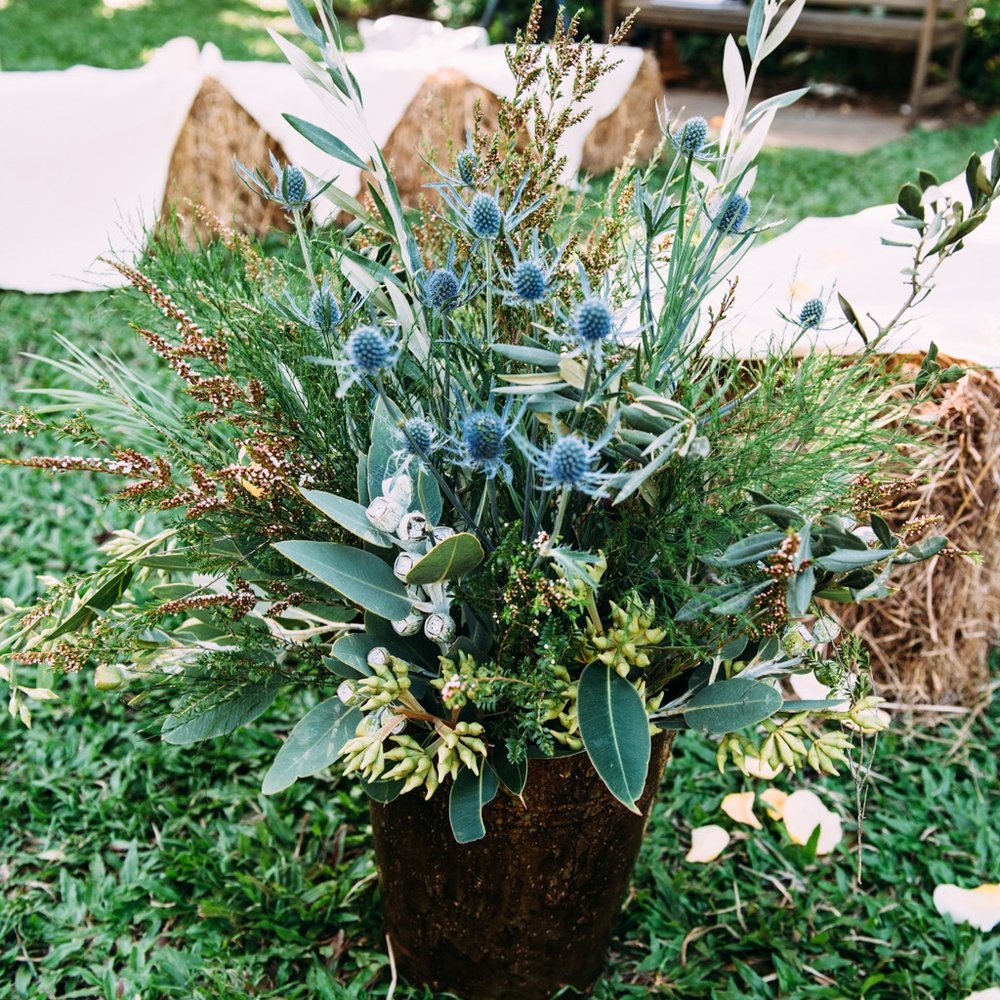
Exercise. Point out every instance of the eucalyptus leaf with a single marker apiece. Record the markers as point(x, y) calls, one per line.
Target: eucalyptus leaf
point(841, 560)
point(615, 731)
point(323, 140)
point(360, 576)
point(469, 794)
point(730, 705)
point(382, 791)
point(313, 745)
point(349, 515)
point(792, 706)
point(923, 549)
point(219, 713)
point(514, 776)
point(448, 560)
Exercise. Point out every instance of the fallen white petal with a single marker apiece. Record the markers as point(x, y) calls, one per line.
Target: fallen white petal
point(803, 812)
point(991, 993)
point(979, 907)
point(758, 768)
point(774, 799)
point(707, 843)
point(808, 688)
point(739, 806)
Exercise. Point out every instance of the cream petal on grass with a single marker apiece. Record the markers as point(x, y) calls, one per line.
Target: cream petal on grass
point(979, 907)
point(758, 768)
point(774, 800)
point(739, 806)
point(707, 843)
point(803, 811)
point(808, 688)
point(992, 993)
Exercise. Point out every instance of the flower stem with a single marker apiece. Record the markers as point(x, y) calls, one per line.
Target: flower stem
point(300, 229)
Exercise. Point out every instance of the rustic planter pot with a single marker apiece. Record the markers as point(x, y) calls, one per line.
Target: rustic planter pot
point(528, 909)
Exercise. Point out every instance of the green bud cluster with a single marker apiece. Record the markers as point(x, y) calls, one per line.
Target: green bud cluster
point(462, 682)
point(623, 647)
point(389, 680)
point(365, 754)
point(828, 749)
point(560, 708)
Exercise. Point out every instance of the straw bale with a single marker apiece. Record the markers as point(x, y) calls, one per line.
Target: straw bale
point(433, 127)
point(217, 131)
point(931, 640)
point(611, 137)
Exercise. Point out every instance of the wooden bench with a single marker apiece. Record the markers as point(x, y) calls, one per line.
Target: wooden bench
point(921, 25)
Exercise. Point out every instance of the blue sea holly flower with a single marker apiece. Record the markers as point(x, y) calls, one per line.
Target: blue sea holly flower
point(483, 443)
point(593, 322)
point(418, 437)
point(367, 351)
point(484, 217)
point(443, 289)
point(293, 186)
point(290, 189)
point(529, 281)
point(324, 313)
point(811, 314)
point(467, 163)
point(691, 136)
point(733, 213)
point(570, 462)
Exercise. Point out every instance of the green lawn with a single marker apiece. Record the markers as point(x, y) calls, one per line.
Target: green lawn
point(132, 868)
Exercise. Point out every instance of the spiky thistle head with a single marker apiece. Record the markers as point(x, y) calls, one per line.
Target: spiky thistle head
point(292, 186)
point(443, 288)
point(593, 321)
point(733, 213)
point(529, 281)
point(418, 436)
point(691, 136)
point(811, 314)
point(466, 162)
point(484, 217)
point(368, 350)
point(568, 461)
point(324, 313)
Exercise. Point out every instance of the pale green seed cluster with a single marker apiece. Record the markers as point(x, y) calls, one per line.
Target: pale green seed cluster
point(625, 646)
point(560, 708)
point(389, 680)
point(419, 766)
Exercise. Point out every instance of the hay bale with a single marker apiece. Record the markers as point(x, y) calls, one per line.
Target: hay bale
point(434, 126)
point(217, 131)
point(931, 641)
point(433, 129)
point(611, 137)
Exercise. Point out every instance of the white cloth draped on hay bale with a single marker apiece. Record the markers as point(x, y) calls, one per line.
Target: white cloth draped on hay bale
point(92, 148)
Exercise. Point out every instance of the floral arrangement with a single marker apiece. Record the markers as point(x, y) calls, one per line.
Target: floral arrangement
point(479, 477)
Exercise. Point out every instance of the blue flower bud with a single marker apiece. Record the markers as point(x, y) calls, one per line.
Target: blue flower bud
point(812, 314)
point(690, 138)
point(324, 313)
point(418, 433)
point(593, 320)
point(467, 162)
point(568, 462)
point(484, 217)
point(442, 288)
point(293, 187)
point(483, 436)
point(367, 349)
point(733, 213)
point(529, 281)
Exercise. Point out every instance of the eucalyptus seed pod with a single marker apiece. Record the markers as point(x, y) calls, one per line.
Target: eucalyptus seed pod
point(441, 532)
point(826, 630)
point(385, 513)
point(399, 489)
point(412, 527)
point(378, 656)
point(410, 625)
point(403, 564)
point(440, 628)
point(385, 715)
point(347, 693)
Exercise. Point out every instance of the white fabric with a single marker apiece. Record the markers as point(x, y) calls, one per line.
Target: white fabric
point(398, 32)
point(85, 164)
point(88, 149)
point(819, 257)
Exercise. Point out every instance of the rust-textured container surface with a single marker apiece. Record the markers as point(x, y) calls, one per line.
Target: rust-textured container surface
point(529, 908)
